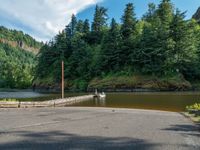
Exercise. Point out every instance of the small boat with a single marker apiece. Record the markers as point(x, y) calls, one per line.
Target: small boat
point(99, 95)
point(102, 95)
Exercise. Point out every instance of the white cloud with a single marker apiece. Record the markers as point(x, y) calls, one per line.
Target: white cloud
point(45, 17)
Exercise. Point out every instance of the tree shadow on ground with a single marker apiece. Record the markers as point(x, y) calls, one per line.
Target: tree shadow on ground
point(193, 130)
point(184, 128)
point(58, 140)
point(54, 140)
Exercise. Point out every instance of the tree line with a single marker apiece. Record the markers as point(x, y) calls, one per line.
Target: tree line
point(161, 43)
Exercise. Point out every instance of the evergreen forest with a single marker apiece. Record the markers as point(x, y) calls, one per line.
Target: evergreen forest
point(160, 50)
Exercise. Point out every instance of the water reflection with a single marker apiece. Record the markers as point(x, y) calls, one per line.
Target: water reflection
point(168, 101)
point(100, 101)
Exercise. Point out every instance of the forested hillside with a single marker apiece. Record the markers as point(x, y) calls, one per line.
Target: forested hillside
point(158, 51)
point(17, 58)
point(18, 39)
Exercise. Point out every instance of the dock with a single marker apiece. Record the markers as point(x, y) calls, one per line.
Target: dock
point(51, 103)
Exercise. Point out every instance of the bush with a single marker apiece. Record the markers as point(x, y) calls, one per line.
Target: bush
point(9, 100)
point(196, 106)
point(194, 109)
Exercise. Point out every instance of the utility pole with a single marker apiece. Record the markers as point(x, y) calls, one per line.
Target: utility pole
point(63, 83)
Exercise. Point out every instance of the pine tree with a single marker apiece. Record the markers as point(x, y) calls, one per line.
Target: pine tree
point(150, 57)
point(100, 18)
point(178, 33)
point(86, 30)
point(128, 21)
point(156, 44)
point(98, 24)
point(73, 24)
point(151, 12)
point(71, 27)
point(86, 26)
point(185, 55)
point(80, 26)
point(79, 61)
point(165, 12)
point(70, 31)
point(166, 44)
point(110, 49)
point(128, 36)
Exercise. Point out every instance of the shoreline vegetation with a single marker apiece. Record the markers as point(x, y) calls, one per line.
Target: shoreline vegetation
point(126, 84)
point(193, 112)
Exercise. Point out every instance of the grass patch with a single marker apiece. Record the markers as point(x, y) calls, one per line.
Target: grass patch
point(9, 100)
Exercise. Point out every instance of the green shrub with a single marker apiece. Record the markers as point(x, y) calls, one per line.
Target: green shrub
point(9, 100)
point(196, 106)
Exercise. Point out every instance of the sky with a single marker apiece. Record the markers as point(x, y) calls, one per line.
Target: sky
point(43, 19)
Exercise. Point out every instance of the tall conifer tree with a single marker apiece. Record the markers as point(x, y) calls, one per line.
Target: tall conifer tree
point(128, 36)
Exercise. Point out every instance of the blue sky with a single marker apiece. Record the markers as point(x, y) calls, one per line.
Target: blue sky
point(43, 19)
point(116, 7)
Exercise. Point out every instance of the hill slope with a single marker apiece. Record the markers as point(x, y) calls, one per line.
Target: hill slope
point(18, 39)
point(17, 58)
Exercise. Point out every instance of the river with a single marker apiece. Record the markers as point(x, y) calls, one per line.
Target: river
point(168, 101)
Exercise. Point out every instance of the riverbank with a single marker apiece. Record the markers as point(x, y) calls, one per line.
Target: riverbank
point(139, 82)
point(123, 83)
point(195, 119)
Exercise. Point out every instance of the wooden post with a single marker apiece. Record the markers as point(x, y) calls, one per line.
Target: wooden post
point(63, 86)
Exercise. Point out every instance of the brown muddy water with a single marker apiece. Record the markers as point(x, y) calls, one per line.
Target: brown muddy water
point(167, 101)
